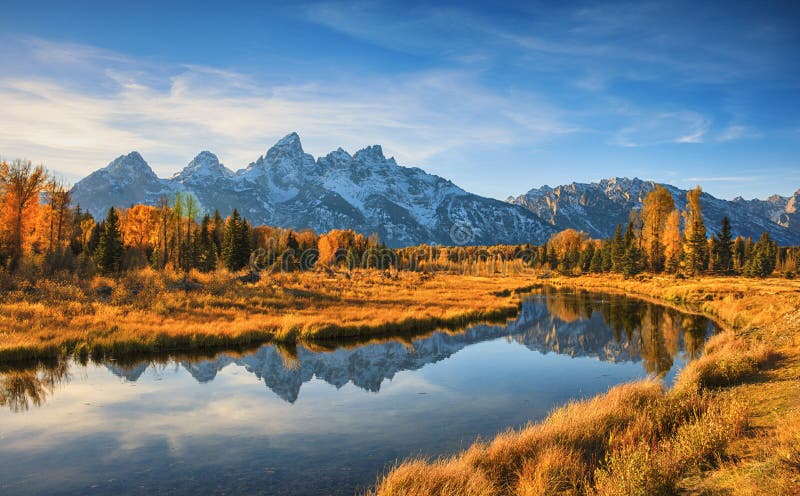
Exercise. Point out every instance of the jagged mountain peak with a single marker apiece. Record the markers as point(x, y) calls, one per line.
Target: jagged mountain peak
point(598, 207)
point(338, 157)
point(372, 153)
point(204, 165)
point(132, 162)
point(288, 146)
point(366, 192)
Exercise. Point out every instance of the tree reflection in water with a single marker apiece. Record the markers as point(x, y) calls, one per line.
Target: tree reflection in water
point(22, 388)
point(610, 328)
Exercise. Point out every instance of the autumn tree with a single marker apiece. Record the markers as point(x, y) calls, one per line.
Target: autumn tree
point(672, 241)
point(656, 208)
point(20, 185)
point(695, 245)
point(140, 226)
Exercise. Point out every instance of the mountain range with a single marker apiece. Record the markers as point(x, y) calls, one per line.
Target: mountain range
point(405, 206)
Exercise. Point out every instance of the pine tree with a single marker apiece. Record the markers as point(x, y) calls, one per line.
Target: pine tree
point(207, 250)
point(695, 245)
point(218, 232)
point(596, 264)
point(632, 255)
point(586, 256)
point(763, 257)
point(108, 254)
point(723, 249)
point(738, 254)
point(618, 250)
point(236, 243)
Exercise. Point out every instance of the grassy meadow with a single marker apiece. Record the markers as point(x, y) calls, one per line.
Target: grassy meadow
point(730, 424)
point(150, 311)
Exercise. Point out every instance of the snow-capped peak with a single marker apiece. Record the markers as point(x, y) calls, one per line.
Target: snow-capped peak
point(289, 146)
point(372, 153)
point(132, 162)
point(205, 164)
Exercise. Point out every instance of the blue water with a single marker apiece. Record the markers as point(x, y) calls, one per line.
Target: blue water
point(321, 421)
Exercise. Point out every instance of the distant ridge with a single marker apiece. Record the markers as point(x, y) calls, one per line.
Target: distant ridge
point(597, 208)
point(370, 193)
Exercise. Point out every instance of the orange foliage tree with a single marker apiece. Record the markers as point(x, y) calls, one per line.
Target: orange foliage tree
point(20, 186)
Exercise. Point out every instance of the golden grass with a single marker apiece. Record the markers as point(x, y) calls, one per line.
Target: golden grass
point(149, 311)
point(726, 426)
point(639, 439)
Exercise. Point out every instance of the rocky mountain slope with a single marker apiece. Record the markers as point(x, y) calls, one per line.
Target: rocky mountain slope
point(597, 208)
point(287, 187)
point(370, 193)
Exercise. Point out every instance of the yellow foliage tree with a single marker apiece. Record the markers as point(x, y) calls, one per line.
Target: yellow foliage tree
point(656, 208)
point(671, 239)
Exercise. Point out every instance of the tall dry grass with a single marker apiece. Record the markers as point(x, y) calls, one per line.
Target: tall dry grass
point(637, 439)
point(146, 310)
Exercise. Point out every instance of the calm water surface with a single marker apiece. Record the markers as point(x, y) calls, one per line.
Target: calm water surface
point(321, 421)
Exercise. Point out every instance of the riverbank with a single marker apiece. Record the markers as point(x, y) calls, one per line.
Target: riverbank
point(730, 424)
point(148, 311)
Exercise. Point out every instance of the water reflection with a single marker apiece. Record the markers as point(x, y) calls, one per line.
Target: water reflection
point(22, 388)
point(610, 328)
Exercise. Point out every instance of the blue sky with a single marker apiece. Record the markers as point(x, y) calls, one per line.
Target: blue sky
point(499, 97)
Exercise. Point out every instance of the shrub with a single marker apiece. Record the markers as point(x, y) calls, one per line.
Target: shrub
point(636, 470)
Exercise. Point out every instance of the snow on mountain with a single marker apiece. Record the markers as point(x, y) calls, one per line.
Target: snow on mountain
point(369, 365)
point(287, 187)
point(597, 208)
point(127, 180)
point(370, 193)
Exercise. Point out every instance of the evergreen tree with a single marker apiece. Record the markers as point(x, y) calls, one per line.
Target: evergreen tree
point(596, 265)
point(236, 242)
point(632, 255)
point(586, 256)
point(552, 257)
point(695, 244)
point(723, 249)
point(94, 238)
point(738, 254)
point(763, 257)
point(207, 250)
point(108, 254)
point(618, 250)
point(218, 232)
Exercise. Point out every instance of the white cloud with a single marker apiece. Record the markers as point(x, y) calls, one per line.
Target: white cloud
point(737, 132)
point(721, 179)
point(108, 105)
point(663, 127)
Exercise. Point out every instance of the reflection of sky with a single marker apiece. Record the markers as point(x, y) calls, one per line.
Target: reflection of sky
point(167, 428)
point(169, 432)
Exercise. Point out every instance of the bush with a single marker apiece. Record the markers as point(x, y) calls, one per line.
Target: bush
point(636, 471)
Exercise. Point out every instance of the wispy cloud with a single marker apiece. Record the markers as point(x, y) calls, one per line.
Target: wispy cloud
point(170, 113)
point(721, 179)
point(648, 129)
point(737, 132)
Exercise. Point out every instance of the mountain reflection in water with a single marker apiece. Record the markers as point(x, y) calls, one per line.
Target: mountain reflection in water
point(610, 328)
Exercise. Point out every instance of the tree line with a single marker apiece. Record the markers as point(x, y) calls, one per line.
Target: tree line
point(661, 239)
point(43, 232)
